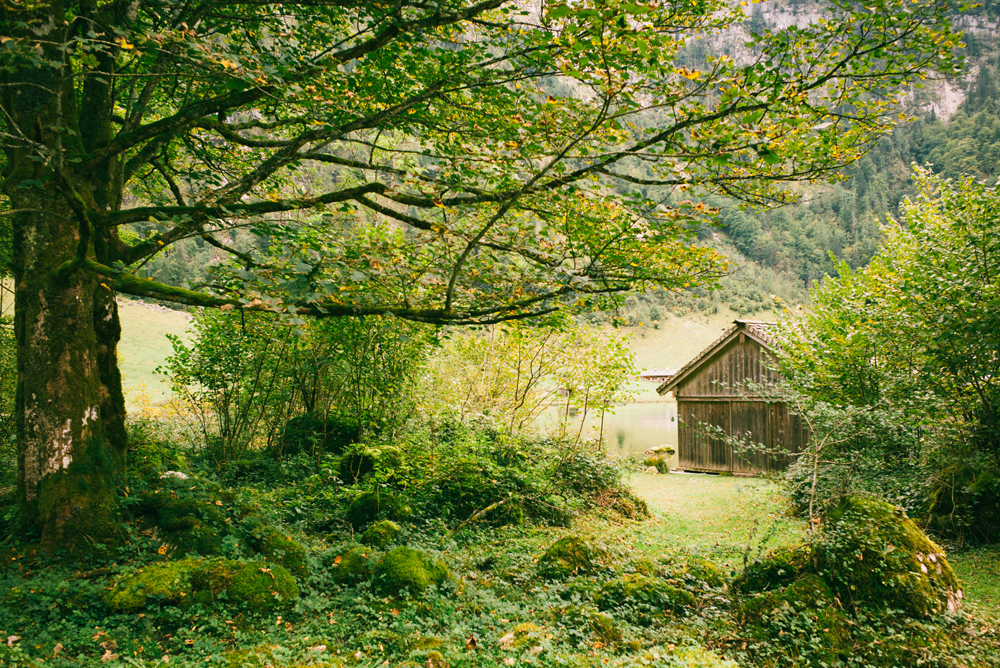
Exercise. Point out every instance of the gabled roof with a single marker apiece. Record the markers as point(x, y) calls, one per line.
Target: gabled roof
point(760, 331)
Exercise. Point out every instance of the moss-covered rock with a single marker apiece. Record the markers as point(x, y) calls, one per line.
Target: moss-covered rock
point(777, 569)
point(278, 548)
point(692, 571)
point(375, 505)
point(351, 564)
point(248, 585)
point(381, 534)
point(404, 568)
point(874, 555)
point(660, 463)
point(189, 514)
point(807, 614)
point(643, 594)
point(570, 555)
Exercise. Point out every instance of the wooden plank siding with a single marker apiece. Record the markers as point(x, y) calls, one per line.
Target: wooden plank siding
point(711, 390)
point(724, 374)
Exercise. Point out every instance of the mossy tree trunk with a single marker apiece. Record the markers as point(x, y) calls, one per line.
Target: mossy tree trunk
point(70, 409)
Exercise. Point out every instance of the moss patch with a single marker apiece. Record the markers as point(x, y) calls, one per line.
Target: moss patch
point(875, 555)
point(381, 534)
point(278, 548)
point(807, 613)
point(407, 569)
point(569, 556)
point(247, 585)
point(372, 506)
point(352, 564)
point(643, 594)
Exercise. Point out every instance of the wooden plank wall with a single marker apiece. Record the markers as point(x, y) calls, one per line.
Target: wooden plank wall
point(718, 376)
point(711, 396)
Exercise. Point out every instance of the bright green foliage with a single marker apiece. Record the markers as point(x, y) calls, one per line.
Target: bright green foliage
point(259, 380)
point(902, 354)
point(255, 586)
point(404, 568)
point(513, 371)
point(381, 534)
point(568, 556)
point(233, 380)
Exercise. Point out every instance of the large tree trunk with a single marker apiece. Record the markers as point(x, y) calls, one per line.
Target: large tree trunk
point(67, 455)
point(70, 410)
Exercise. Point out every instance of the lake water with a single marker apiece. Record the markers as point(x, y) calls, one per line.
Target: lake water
point(632, 428)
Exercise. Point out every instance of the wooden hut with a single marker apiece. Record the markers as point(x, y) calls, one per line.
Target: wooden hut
point(710, 390)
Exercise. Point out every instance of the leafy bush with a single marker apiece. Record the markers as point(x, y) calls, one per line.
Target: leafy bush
point(309, 431)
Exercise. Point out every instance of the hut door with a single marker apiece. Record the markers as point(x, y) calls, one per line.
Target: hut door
point(696, 450)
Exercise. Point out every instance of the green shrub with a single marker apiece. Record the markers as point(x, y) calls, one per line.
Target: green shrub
point(304, 433)
point(468, 487)
point(588, 475)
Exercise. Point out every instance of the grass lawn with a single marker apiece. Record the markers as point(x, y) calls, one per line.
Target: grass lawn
point(979, 570)
point(144, 346)
point(718, 517)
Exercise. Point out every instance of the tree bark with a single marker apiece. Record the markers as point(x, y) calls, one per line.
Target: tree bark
point(70, 408)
